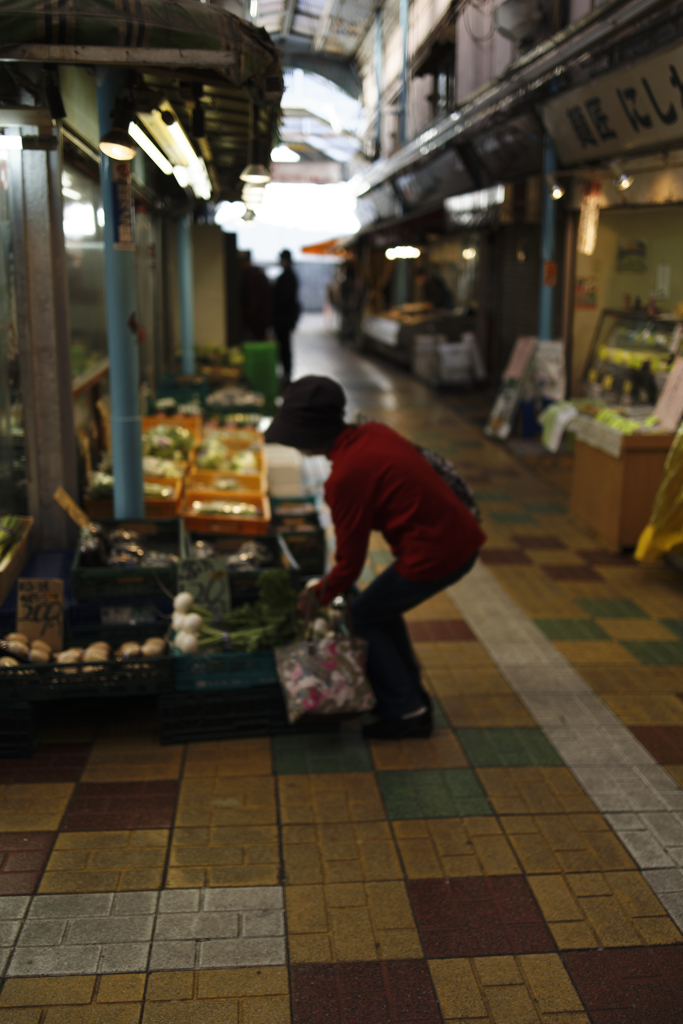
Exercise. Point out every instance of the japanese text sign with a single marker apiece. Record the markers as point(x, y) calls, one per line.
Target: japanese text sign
point(40, 610)
point(634, 108)
point(207, 580)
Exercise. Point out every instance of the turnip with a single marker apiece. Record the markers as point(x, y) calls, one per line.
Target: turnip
point(192, 623)
point(177, 621)
point(187, 643)
point(182, 602)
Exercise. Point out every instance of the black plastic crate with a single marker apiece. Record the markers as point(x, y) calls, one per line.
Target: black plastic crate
point(94, 583)
point(188, 718)
point(17, 729)
point(36, 683)
point(308, 549)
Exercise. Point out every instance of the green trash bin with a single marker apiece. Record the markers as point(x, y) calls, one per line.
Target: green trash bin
point(260, 369)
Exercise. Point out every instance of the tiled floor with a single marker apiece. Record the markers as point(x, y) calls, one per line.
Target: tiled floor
point(523, 865)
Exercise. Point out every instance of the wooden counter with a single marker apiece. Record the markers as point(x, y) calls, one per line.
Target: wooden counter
point(614, 496)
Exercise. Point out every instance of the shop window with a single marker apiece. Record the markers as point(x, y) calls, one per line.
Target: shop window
point(12, 455)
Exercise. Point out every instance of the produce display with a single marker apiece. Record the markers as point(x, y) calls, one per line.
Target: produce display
point(172, 405)
point(262, 624)
point(101, 485)
point(17, 649)
point(122, 548)
point(168, 441)
point(153, 466)
point(214, 453)
point(221, 508)
point(233, 396)
point(249, 556)
point(11, 532)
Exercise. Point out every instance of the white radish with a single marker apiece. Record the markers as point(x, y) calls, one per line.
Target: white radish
point(182, 602)
point(177, 620)
point(187, 642)
point(192, 623)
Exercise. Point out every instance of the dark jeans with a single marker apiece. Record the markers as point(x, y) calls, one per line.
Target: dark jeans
point(284, 341)
point(393, 670)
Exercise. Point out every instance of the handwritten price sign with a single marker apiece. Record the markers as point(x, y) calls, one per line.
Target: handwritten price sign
point(207, 580)
point(40, 611)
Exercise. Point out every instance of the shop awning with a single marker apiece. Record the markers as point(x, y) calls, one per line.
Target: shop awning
point(335, 247)
point(172, 46)
point(166, 32)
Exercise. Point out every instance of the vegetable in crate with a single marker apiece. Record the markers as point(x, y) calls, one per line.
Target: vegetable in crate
point(250, 555)
point(221, 508)
point(101, 485)
point(152, 466)
point(167, 441)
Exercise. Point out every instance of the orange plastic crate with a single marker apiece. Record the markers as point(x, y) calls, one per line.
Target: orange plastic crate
point(202, 522)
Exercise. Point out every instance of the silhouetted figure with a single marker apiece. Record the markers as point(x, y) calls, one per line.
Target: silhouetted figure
point(286, 310)
point(257, 300)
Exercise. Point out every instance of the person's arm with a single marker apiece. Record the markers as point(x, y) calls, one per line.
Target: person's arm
point(352, 516)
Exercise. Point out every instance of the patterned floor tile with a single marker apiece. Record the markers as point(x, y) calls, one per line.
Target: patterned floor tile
point(51, 762)
point(449, 654)
point(121, 805)
point(665, 742)
point(636, 629)
point(130, 759)
point(616, 608)
point(571, 629)
point(548, 843)
point(348, 852)
point(73, 1000)
point(504, 556)
point(538, 542)
point(601, 909)
point(528, 989)
point(534, 791)
point(439, 629)
point(441, 750)
point(674, 626)
point(507, 747)
point(33, 807)
point(468, 917)
point(235, 855)
point(344, 797)
point(535, 593)
point(396, 992)
point(436, 608)
point(468, 682)
point(106, 861)
point(571, 573)
point(656, 652)
point(23, 856)
point(454, 848)
point(229, 757)
point(449, 793)
point(227, 801)
point(485, 711)
point(595, 652)
point(629, 986)
point(253, 995)
point(632, 679)
point(362, 921)
point(660, 709)
point(336, 752)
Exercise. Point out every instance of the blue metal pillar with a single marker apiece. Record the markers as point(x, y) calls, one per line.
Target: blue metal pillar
point(404, 13)
point(186, 293)
point(124, 355)
point(548, 243)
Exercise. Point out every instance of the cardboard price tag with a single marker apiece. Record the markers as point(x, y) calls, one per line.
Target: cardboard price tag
point(207, 580)
point(40, 610)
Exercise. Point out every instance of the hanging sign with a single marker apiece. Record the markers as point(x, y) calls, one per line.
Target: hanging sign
point(634, 108)
point(122, 202)
point(40, 610)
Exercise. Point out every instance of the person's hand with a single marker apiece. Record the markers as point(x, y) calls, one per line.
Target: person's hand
point(307, 604)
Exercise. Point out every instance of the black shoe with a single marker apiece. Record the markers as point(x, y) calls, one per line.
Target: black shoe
point(399, 728)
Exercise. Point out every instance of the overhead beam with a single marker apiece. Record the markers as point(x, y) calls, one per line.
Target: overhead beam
point(119, 55)
point(287, 18)
point(322, 32)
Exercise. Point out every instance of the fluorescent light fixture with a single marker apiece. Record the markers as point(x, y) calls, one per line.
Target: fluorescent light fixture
point(148, 147)
point(469, 253)
point(284, 155)
point(71, 193)
point(480, 200)
point(8, 142)
point(255, 174)
point(403, 252)
point(154, 123)
point(181, 140)
point(118, 145)
point(253, 8)
point(100, 216)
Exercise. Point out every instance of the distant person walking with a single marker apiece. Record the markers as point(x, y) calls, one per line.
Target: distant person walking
point(286, 310)
point(257, 300)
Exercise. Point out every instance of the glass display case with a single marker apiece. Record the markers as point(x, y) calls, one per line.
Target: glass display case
point(630, 357)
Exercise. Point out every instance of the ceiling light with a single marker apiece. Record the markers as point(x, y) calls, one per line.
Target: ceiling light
point(469, 253)
point(118, 145)
point(156, 126)
point(152, 151)
point(253, 8)
point(255, 174)
point(403, 252)
point(284, 155)
point(556, 190)
point(622, 180)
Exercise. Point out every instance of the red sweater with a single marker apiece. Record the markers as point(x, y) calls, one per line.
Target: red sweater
point(379, 481)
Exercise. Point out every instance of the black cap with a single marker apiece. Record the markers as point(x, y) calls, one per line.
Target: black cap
point(311, 415)
point(286, 254)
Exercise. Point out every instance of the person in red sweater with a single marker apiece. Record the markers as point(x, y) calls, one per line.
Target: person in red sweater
point(380, 481)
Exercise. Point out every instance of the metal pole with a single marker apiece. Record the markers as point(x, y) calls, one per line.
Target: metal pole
point(377, 56)
point(548, 256)
point(186, 292)
point(124, 356)
point(403, 98)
